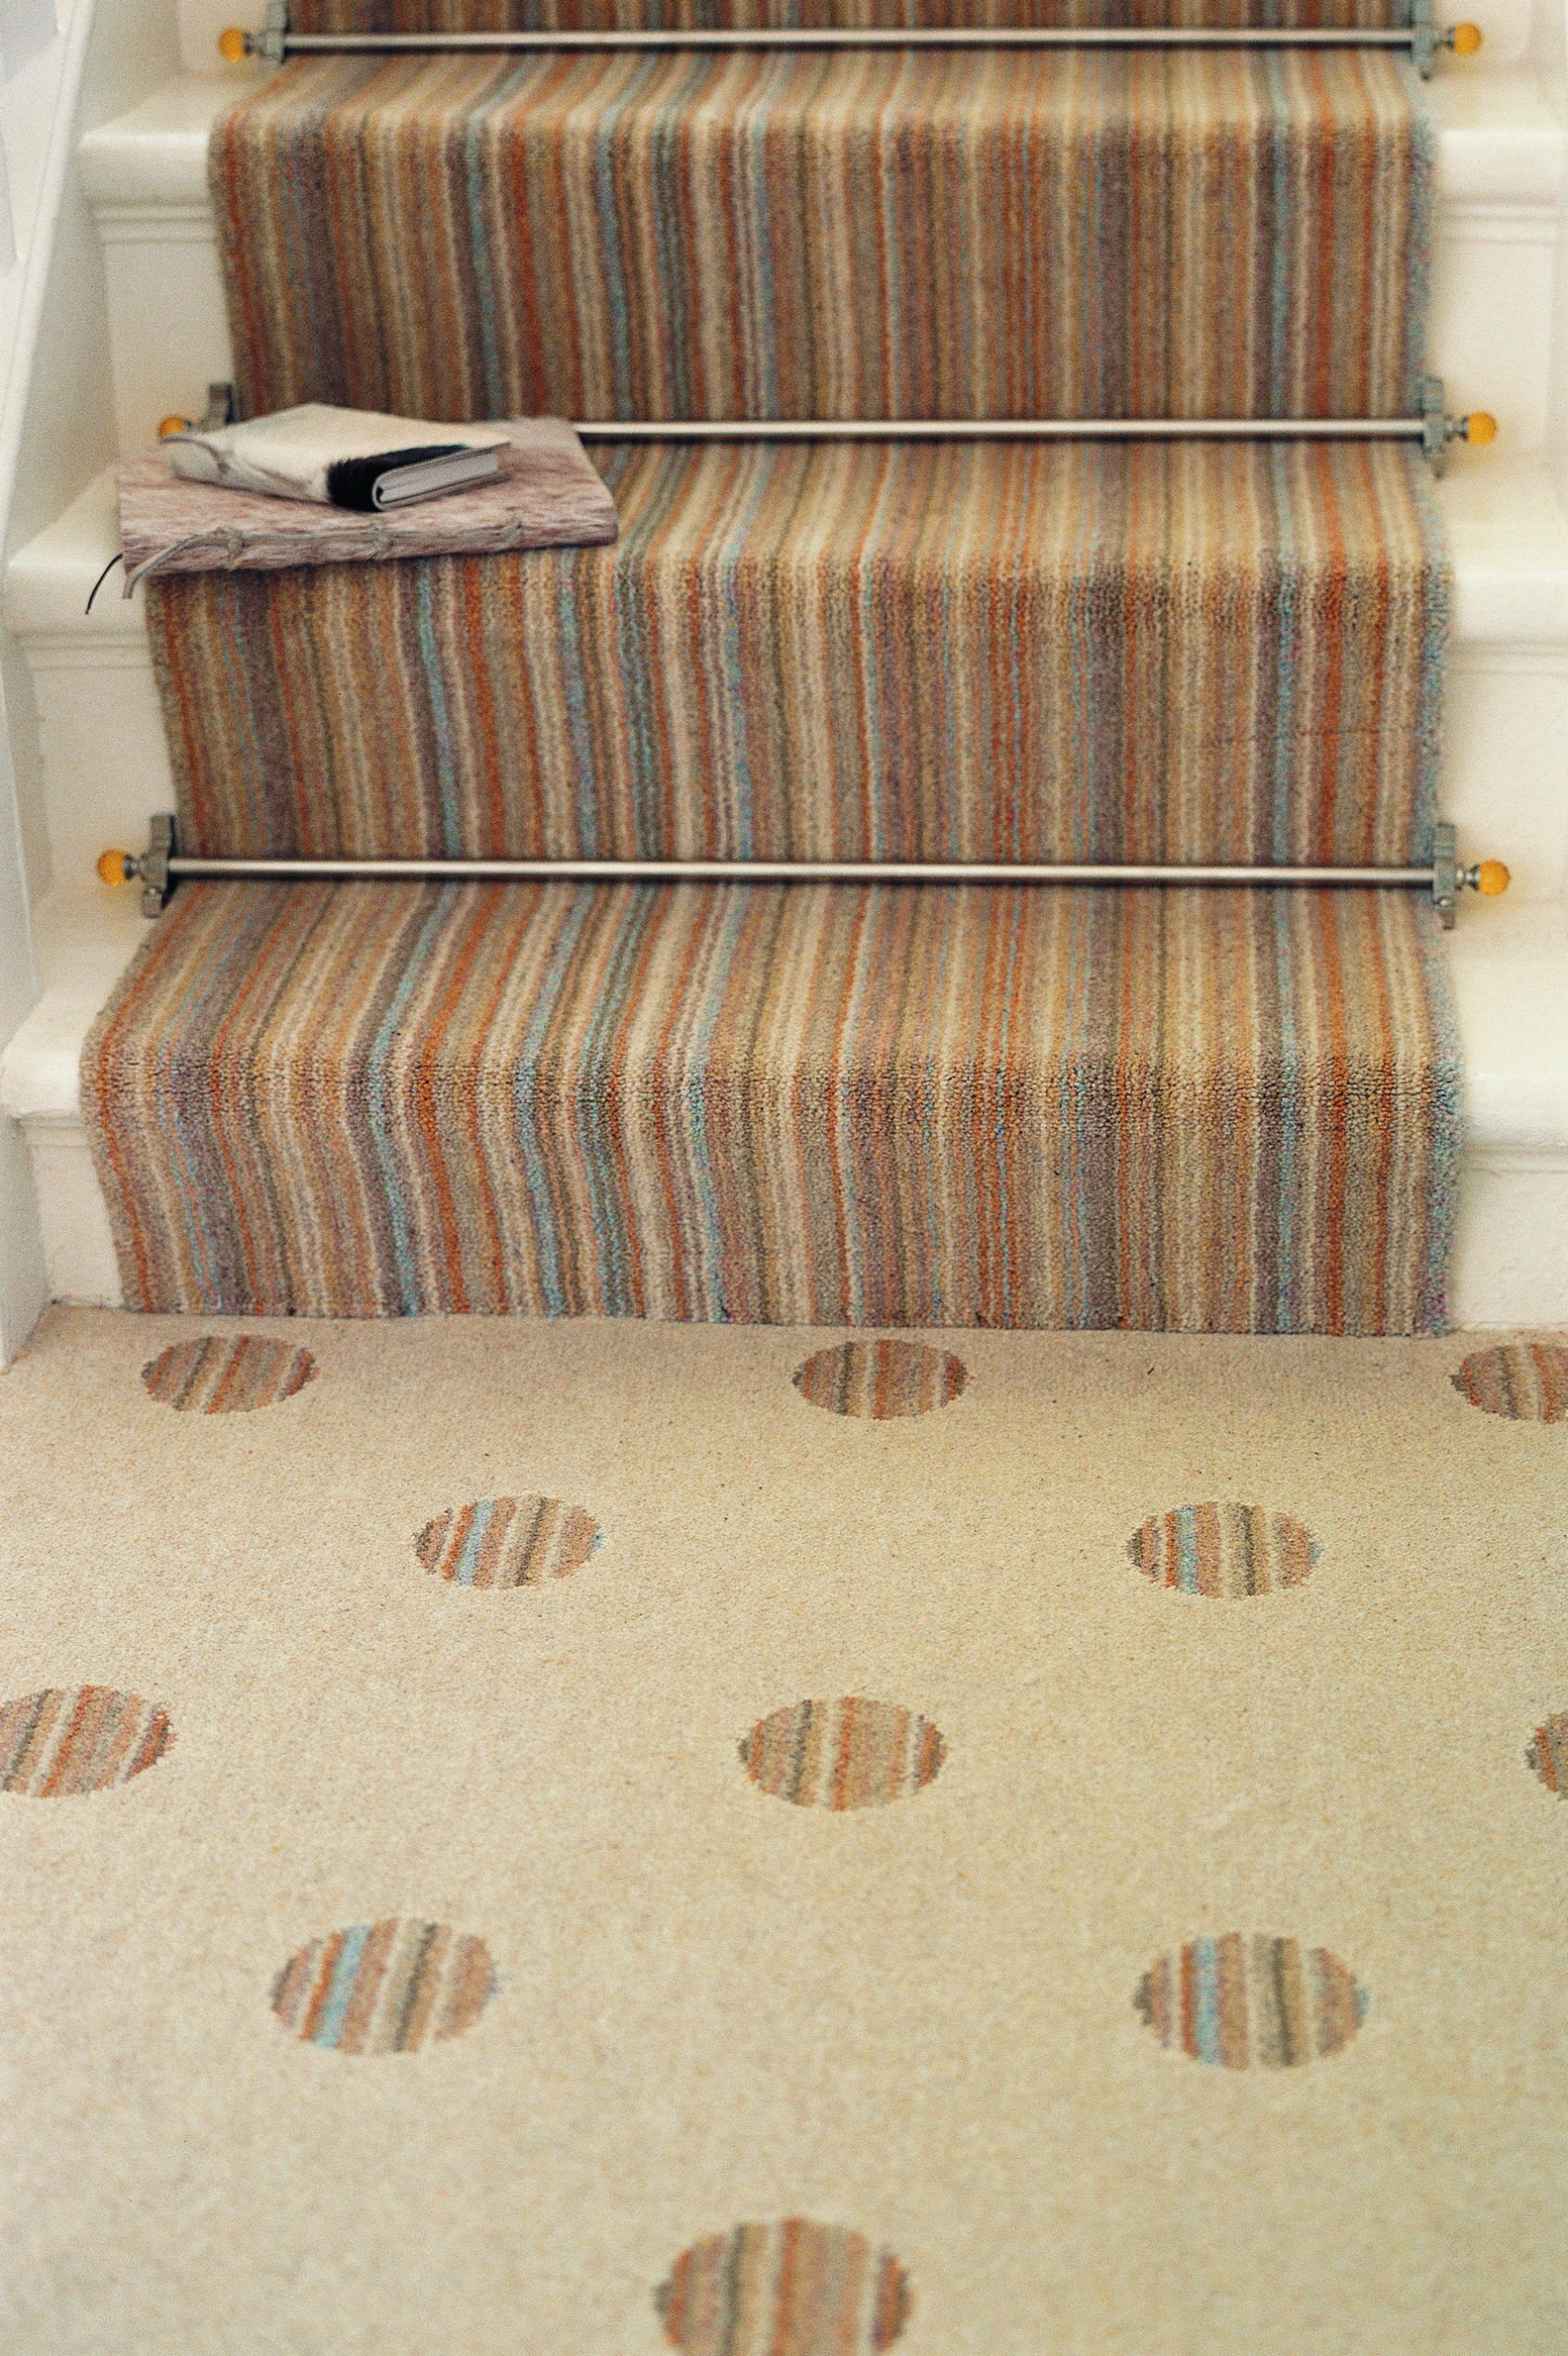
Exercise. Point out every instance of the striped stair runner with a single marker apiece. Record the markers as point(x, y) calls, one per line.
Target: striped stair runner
point(807, 233)
point(847, 651)
point(1050, 1107)
point(1053, 1107)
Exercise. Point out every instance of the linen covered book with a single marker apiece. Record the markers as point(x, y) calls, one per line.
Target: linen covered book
point(338, 457)
point(546, 495)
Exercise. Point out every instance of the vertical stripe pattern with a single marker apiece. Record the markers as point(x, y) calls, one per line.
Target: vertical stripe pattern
point(880, 1379)
point(507, 1541)
point(1526, 1382)
point(1206, 1112)
point(1152, 652)
point(844, 1754)
point(387, 1987)
point(1250, 2003)
point(751, 234)
point(70, 1740)
point(226, 1374)
point(791, 2289)
point(1224, 1549)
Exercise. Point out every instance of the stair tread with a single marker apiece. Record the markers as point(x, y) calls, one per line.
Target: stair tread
point(1498, 140)
point(795, 1105)
point(1508, 968)
point(1508, 534)
point(750, 233)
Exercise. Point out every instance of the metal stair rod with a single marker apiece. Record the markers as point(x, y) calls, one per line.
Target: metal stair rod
point(1422, 36)
point(1435, 428)
point(162, 865)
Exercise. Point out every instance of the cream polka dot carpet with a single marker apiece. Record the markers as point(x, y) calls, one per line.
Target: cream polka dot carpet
point(581, 1840)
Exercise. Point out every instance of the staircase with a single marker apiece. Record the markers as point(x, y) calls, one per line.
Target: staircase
point(1016, 323)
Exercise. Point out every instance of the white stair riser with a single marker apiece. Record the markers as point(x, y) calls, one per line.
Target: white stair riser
point(1492, 295)
point(1510, 1265)
point(1505, 782)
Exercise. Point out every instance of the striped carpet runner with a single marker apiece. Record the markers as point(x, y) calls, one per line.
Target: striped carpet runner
point(796, 1105)
point(851, 1105)
point(1179, 651)
point(806, 233)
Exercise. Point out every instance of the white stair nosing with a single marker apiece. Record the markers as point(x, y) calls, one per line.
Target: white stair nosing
point(1507, 529)
point(1498, 143)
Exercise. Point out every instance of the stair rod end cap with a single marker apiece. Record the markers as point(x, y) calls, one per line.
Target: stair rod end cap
point(234, 46)
point(1481, 429)
point(116, 867)
point(1466, 39)
point(1491, 879)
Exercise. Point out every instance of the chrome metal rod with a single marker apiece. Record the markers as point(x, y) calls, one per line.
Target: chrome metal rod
point(788, 871)
point(161, 865)
point(879, 37)
point(1005, 429)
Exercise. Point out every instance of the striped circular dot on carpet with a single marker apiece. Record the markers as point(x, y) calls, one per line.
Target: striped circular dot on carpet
point(880, 1379)
point(1223, 1550)
point(842, 1754)
point(73, 1739)
point(790, 2289)
point(507, 1541)
point(228, 1375)
point(1250, 2003)
point(1546, 1753)
point(1525, 1380)
point(385, 1987)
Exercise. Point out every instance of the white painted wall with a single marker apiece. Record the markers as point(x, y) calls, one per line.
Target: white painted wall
point(56, 431)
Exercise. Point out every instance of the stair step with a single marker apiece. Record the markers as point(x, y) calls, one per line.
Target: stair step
point(1510, 985)
point(812, 234)
point(1505, 766)
point(1499, 151)
point(1192, 1111)
point(846, 651)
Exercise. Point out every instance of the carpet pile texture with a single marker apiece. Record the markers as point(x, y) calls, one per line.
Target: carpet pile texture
point(800, 234)
point(1195, 1113)
point(1160, 652)
point(1053, 1107)
point(851, 1908)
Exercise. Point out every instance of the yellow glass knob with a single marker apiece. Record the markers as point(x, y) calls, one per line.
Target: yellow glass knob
point(111, 867)
point(231, 49)
point(1466, 39)
point(1491, 879)
point(1480, 427)
point(171, 424)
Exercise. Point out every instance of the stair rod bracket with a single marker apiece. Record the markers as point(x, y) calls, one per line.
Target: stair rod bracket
point(1424, 39)
point(160, 867)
